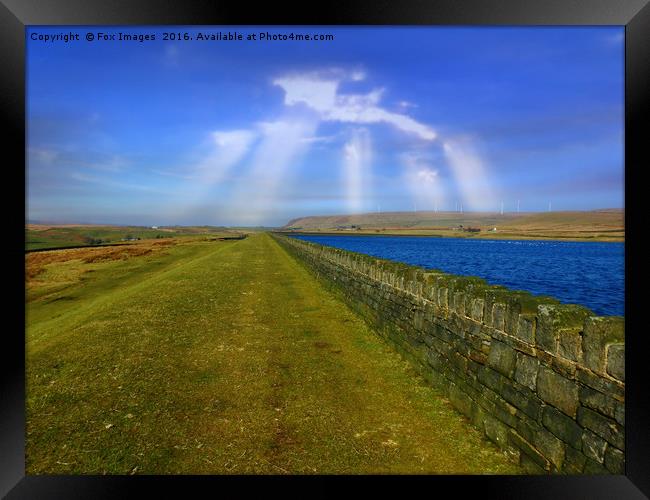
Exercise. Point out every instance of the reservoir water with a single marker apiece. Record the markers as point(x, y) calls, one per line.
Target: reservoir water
point(588, 273)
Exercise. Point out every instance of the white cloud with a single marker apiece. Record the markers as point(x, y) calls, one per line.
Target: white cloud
point(321, 94)
point(426, 176)
point(317, 94)
point(423, 181)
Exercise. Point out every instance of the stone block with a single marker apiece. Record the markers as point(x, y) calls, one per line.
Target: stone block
point(460, 400)
point(526, 427)
point(442, 298)
point(531, 466)
point(527, 403)
point(550, 447)
point(526, 369)
point(459, 303)
point(473, 367)
point(598, 333)
point(570, 344)
point(478, 306)
point(562, 426)
point(526, 328)
point(564, 367)
point(486, 403)
point(614, 460)
point(418, 320)
point(436, 360)
point(531, 459)
point(478, 417)
point(602, 426)
point(593, 446)
point(616, 361)
point(490, 379)
point(459, 362)
point(477, 356)
point(504, 411)
point(574, 461)
point(498, 316)
point(502, 358)
point(513, 309)
point(517, 303)
point(611, 387)
point(497, 431)
point(596, 400)
point(557, 391)
point(594, 468)
point(428, 337)
point(619, 413)
point(481, 345)
point(552, 320)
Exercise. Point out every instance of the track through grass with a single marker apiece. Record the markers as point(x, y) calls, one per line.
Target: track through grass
point(222, 358)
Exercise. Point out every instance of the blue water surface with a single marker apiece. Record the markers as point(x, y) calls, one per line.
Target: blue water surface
point(588, 273)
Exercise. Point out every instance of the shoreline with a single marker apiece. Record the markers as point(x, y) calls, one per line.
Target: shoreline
point(506, 236)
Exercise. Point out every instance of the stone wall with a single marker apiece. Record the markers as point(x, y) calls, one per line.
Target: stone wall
point(543, 380)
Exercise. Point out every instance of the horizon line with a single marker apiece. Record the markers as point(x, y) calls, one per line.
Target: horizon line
point(432, 212)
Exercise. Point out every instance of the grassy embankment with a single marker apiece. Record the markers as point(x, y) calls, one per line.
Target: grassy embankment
point(222, 357)
point(39, 236)
point(597, 225)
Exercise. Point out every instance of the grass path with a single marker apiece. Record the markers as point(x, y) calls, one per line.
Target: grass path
point(234, 361)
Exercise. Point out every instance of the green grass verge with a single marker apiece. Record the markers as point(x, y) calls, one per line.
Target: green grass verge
point(226, 357)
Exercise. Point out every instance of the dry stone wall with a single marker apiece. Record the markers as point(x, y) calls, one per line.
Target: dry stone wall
point(543, 380)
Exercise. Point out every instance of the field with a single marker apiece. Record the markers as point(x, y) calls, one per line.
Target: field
point(596, 225)
point(42, 236)
point(194, 355)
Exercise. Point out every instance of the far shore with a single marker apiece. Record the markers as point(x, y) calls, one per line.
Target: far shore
point(604, 225)
point(483, 235)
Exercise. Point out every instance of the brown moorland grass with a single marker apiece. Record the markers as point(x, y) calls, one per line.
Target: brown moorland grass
point(37, 262)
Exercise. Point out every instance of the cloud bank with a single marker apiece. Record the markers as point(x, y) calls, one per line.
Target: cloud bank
point(323, 96)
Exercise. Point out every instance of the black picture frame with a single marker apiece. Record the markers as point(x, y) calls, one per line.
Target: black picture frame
point(16, 15)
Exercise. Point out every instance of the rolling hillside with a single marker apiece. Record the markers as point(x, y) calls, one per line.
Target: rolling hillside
point(601, 225)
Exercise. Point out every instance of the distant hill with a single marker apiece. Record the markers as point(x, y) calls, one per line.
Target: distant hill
point(604, 224)
point(41, 236)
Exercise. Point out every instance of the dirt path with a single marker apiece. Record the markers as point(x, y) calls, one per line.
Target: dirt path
point(240, 363)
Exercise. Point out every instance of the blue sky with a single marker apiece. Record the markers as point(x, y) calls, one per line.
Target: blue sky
point(259, 132)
